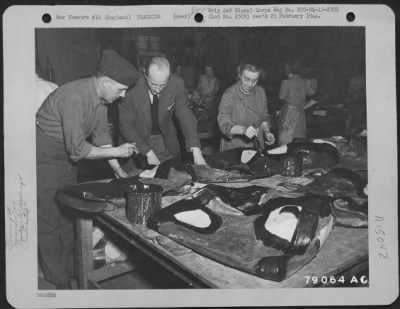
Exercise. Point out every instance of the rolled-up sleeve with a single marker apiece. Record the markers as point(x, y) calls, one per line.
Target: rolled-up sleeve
point(73, 130)
point(225, 122)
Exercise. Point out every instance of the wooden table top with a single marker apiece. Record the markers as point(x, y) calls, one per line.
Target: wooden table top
point(344, 249)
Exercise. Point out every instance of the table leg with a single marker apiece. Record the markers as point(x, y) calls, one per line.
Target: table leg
point(84, 250)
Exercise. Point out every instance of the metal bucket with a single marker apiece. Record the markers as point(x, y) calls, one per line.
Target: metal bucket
point(142, 201)
point(292, 166)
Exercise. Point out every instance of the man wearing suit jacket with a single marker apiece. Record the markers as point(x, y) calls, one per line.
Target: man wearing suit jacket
point(145, 115)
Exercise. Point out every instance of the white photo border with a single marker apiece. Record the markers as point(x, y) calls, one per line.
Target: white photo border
point(19, 24)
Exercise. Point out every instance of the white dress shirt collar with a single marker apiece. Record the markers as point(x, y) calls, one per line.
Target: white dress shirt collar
point(151, 97)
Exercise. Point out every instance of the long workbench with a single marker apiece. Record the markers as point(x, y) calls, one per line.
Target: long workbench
point(342, 261)
point(344, 255)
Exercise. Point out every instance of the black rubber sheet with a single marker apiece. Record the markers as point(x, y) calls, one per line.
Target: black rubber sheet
point(231, 238)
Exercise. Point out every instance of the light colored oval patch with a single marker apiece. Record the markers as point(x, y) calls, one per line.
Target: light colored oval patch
point(247, 155)
point(282, 224)
point(278, 150)
point(149, 173)
point(321, 141)
point(197, 218)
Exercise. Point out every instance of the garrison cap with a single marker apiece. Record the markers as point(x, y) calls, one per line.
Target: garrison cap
point(118, 68)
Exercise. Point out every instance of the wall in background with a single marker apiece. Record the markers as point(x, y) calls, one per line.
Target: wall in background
point(332, 54)
point(73, 53)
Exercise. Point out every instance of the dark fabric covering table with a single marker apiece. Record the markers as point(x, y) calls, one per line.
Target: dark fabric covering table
point(234, 240)
point(345, 252)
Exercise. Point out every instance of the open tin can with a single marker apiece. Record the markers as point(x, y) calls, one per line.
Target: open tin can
point(142, 201)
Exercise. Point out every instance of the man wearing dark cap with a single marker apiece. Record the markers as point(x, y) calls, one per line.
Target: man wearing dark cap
point(71, 114)
point(145, 115)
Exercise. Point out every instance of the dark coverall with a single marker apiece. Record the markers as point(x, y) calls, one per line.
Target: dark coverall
point(65, 120)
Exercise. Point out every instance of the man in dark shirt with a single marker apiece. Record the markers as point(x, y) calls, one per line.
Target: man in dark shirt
point(146, 112)
point(356, 105)
point(71, 114)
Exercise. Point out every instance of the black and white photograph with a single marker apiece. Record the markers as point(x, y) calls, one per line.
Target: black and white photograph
point(173, 157)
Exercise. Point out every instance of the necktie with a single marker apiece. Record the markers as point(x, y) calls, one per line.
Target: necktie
point(155, 129)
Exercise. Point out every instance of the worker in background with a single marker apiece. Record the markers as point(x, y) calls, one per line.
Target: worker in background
point(356, 105)
point(208, 87)
point(293, 92)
